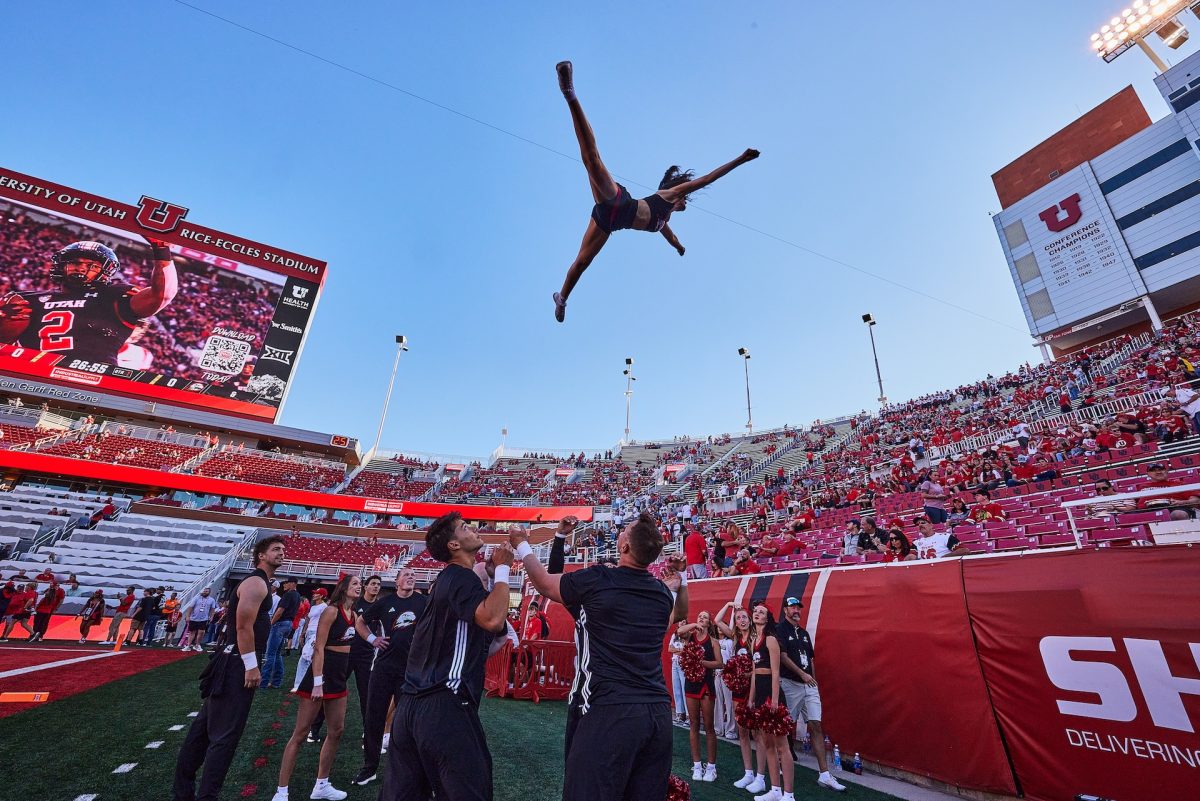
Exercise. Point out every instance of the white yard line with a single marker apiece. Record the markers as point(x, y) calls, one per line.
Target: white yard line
point(88, 797)
point(60, 663)
point(176, 727)
point(155, 744)
point(125, 768)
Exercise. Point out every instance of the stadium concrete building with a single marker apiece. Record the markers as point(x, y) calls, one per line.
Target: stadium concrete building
point(1100, 223)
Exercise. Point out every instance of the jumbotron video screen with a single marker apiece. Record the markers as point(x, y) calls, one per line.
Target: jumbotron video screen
point(139, 302)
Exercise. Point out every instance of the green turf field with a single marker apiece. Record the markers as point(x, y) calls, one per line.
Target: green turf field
point(69, 748)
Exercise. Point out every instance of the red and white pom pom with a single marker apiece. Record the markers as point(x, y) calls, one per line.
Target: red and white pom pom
point(746, 716)
point(678, 789)
point(775, 720)
point(691, 661)
point(737, 674)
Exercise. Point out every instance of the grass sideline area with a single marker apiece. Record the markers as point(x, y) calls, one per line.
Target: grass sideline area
point(86, 736)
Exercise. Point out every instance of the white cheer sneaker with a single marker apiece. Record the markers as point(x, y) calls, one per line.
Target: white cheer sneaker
point(831, 783)
point(757, 785)
point(710, 773)
point(327, 793)
point(743, 782)
point(771, 795)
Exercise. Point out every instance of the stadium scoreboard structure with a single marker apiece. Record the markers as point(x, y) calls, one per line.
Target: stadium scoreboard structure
point(1100, 225)
point(228, 341)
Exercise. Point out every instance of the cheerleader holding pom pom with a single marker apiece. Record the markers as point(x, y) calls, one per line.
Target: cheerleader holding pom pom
point(771, 720)
point(700, 659)
point(738, 669)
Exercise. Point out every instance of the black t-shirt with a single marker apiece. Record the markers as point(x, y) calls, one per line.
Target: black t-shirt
point(262, 620)
point(395, 618)
point(796, 643)
point(290, 604)
point(360, 649)
point(621, 618)
point(448, 650)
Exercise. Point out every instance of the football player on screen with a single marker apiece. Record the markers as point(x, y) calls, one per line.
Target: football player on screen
point(92, 313)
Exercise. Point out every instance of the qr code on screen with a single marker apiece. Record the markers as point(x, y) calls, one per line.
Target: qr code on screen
point(224, 355)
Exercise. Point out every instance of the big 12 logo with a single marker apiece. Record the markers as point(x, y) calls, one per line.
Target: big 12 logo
point(1162, 690)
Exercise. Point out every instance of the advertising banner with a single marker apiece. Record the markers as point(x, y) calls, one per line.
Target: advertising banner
point(139, 301)
point(1092, 660)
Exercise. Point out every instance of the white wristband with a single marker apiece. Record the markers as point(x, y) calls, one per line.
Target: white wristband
point(318, 681)
point(250, 661)
point(523, 550)
point(371, 638)
point(502, 572)
point(683, 579)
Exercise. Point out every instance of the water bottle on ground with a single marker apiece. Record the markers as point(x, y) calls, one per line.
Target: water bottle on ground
point(828, 746)
point(837, 758)
point(806, 744)
point(857, 764)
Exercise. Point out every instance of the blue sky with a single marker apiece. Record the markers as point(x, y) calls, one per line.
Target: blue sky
point(879, 133)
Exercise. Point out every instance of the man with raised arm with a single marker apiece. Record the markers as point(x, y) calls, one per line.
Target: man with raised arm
point(437, 745)
point(618, 733)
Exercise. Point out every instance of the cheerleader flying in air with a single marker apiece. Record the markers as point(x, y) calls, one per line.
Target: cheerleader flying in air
point(615, 208)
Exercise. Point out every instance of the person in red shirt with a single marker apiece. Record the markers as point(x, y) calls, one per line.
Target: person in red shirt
point(768, 546)
point(537, 627)
point(695, 551)
point(1182, 504)
point(19, 610)
point(985, 508)
point(119, 614)
point(46, 575)
point(788, 544)
point(743, 565)
point(50, 600)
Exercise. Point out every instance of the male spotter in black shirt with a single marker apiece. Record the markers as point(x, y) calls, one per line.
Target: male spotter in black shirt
point(231, 680)
point(395, 616)
point(437, 744)
point(619, 705)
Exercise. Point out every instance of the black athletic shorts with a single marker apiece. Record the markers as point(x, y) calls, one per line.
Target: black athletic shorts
point(616, 212)
point(618, 753)
point(197, 625)
point(762, 691)
point(335, 671)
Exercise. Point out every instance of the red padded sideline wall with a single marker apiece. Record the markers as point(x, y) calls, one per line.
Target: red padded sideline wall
point(896, 664)
point(1093, 662)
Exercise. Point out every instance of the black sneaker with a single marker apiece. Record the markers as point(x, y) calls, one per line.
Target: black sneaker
point(365, 776)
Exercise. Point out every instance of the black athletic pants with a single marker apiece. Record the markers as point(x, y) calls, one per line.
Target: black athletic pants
point(361, 668)
point(213, 738)
point(438, 747)
point(558, 555)
point(617, 753)
point(385, 685)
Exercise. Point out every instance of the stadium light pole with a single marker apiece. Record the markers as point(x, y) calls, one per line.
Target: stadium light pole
point(401, 346)
point(629, 379)
point(745, 354)
point(870, 321)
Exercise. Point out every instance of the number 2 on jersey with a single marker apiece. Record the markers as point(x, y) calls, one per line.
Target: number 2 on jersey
point(54, 334)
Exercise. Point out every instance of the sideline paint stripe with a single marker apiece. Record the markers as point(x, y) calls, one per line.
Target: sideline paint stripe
point(176, 727)
point(88, 797)
point(814, 612)
point(60, 663)
point(155, 744)
point(193, 714)
point(49, 650)
point(128, 766)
